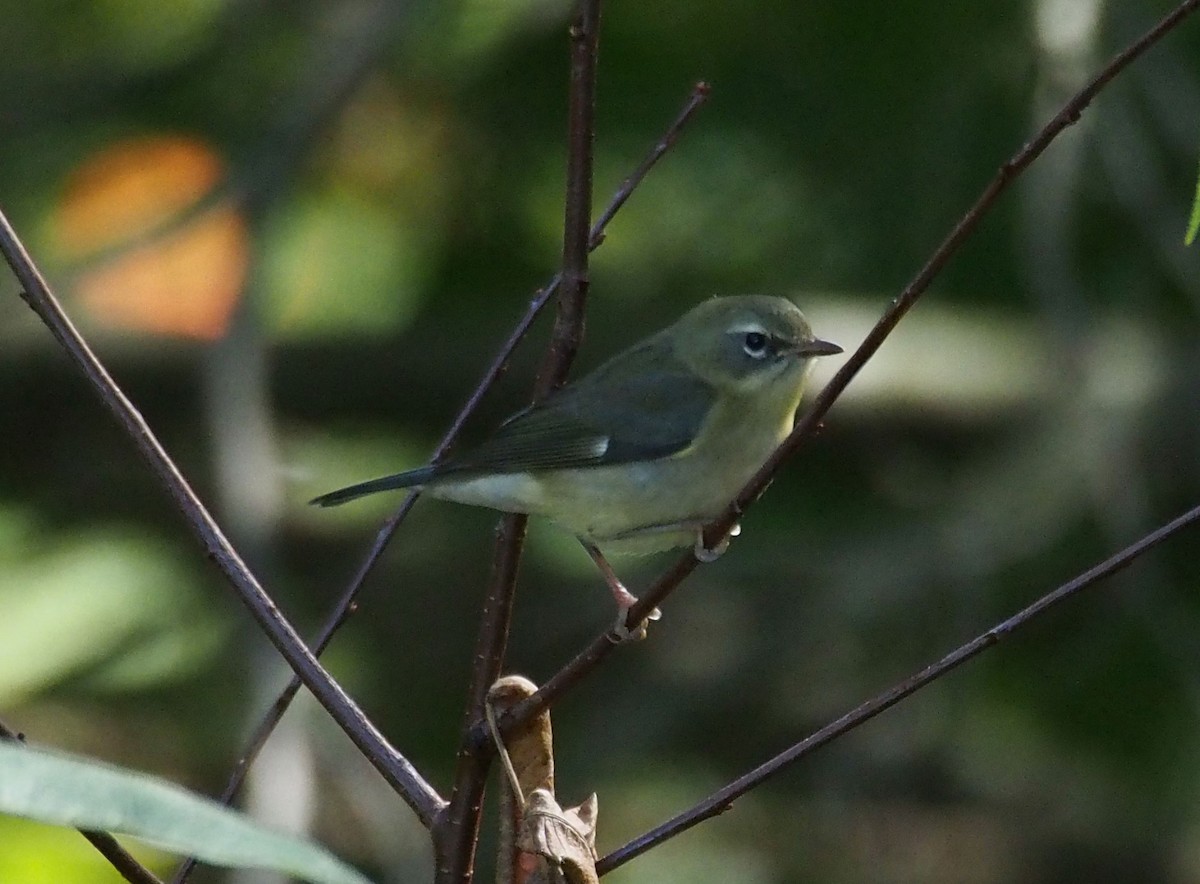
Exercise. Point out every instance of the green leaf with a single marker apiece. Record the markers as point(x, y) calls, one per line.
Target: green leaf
point(1194, 221)
point(61, 789)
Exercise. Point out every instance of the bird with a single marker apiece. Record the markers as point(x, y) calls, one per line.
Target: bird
point(641, 453)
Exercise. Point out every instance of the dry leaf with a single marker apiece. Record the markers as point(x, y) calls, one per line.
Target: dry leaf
point(540, 843)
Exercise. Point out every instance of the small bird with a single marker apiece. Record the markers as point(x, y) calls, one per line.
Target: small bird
point(640, 454)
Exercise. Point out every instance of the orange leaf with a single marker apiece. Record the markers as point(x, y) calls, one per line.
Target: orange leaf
point(147, 266)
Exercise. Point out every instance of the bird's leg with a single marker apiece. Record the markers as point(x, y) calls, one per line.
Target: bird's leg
point(623, 597)
point(704, 554)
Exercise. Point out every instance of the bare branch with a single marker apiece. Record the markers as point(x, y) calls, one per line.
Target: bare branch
point(720, 800)
point(122, 860)
point(394, 767)
point(457, 831)
point(599, 648)
point(455, 834)
point(581, 117)
point(346, 605)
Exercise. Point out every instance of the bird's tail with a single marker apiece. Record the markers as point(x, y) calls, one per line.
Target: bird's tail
point(409, 479)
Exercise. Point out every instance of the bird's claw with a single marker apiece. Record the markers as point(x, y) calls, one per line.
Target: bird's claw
point(621, 633)
point(706, 555)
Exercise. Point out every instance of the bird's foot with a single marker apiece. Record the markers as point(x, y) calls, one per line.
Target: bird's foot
point(624, 599)
point(621, 633)
point(706, 555)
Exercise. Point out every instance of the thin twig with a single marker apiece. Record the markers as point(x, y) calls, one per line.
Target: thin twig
point(120, 858)
point(346, 604)
point(600, 647)
point(343, 53)
point(699, 95)
point(457, 832)
point(394, 767)
point(720, 800)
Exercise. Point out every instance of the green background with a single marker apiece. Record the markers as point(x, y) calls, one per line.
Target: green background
point(1036, 412)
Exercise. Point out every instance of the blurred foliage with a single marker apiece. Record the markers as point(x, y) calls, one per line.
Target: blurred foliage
point(388, 196)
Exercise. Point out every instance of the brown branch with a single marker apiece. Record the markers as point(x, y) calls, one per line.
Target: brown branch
point(581, 117)
point(455, 839)
point(721, 800)
point(343, 53)
point(346, 605)
point(698, 96)
point(457, 832)
point(600, 647)
point(120, 858)
point(394, 767)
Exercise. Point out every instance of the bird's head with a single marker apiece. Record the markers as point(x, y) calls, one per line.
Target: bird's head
point(748, 343)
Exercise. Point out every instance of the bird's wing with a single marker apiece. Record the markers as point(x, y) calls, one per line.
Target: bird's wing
point(640, 406)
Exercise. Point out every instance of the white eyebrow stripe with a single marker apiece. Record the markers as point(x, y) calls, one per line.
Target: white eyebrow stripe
point(747, 328)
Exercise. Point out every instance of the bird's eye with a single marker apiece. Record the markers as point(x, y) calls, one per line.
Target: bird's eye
point(755, 344)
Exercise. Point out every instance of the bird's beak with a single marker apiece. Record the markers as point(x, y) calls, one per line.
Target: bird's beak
point(817, 347)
